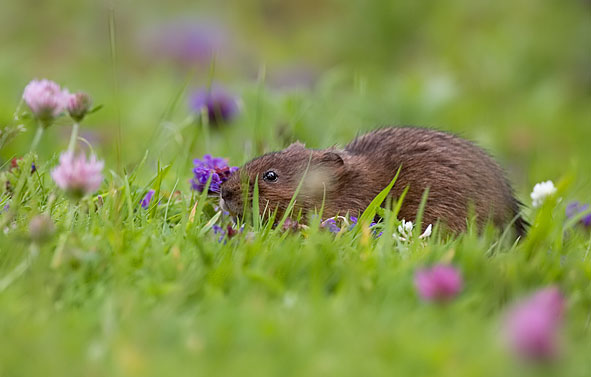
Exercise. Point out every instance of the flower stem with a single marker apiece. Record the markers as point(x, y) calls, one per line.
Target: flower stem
point(58, 255)
point(73, 138)
point(37, 138)
point(16, 115)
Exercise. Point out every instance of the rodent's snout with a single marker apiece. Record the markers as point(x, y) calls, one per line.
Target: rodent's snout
point(230, 199)
point(226, 193)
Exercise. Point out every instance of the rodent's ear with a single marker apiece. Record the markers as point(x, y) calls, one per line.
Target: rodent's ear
point(295, 147)
point(331, 158)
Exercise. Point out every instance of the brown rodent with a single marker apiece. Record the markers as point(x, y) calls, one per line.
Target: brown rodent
point(458, 174)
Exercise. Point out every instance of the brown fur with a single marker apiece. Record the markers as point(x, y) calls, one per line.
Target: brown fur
point(458, 174)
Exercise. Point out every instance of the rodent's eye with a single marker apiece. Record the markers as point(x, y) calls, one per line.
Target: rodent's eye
point(270, 176)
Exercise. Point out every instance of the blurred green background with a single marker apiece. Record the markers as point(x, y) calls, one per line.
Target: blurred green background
point(515, 76)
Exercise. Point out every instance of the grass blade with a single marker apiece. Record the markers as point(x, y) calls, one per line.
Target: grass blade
point(370, 212)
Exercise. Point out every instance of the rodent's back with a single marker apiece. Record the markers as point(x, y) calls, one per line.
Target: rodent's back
point(456, 171)
point(405, 142)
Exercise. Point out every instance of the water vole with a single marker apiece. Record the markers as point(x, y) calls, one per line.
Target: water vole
point(457, 172)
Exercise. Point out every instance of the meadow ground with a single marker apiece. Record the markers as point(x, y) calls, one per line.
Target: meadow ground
point(121, 289)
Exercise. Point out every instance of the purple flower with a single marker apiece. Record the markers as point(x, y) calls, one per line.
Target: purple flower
point(189, 42)
point(439, 283)
point(46, 100)
point(78, 105)
point(76, 175)
point(221, 106)
point(290, 225)
point(331, 225)
point(219, 230)
point(215, 167)
point(334, 224)
point(229, 231)
point(145, 202)
point(297, 77)
point(575, 208)
point(354, 221)
point(531, 327)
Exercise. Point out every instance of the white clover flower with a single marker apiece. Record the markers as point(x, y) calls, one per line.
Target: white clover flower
point(405, 231)
point(541, 191)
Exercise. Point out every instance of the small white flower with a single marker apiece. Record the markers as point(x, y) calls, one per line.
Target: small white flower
point(405, 231)
point(541, 191)
point(427, 232)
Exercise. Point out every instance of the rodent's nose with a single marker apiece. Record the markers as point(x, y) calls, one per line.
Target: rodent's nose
point(226, 194)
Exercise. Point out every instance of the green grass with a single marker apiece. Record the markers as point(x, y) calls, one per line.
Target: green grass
point(158, 298)
point(122, 291)
point(138, 293)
